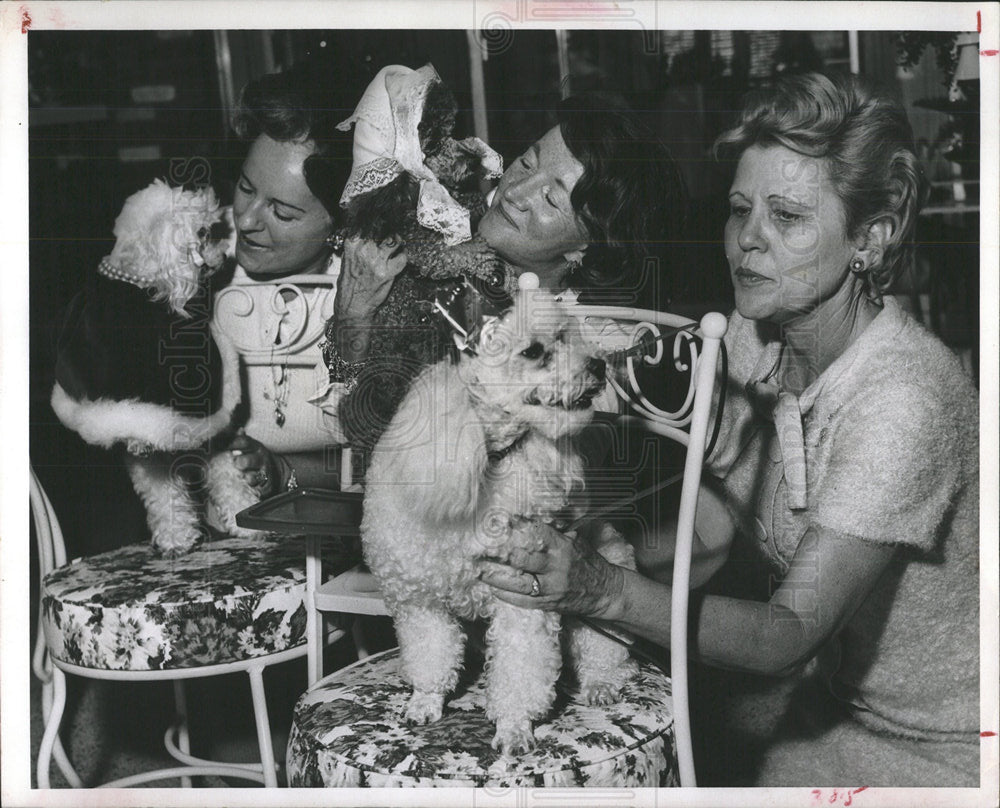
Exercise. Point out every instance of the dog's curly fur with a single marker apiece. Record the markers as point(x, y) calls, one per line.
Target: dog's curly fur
point(168, 240)
point(478, 452)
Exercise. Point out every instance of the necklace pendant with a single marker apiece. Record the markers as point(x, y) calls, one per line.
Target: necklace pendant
point(279, 418)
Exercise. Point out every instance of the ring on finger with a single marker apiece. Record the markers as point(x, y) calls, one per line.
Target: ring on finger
point(536, 587)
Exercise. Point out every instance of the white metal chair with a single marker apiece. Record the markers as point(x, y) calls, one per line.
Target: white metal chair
point(643, 337)
point(695, 414)
point(127, 615)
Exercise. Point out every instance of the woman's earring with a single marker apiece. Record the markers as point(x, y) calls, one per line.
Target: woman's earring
point(865, 273)
point(335, 241)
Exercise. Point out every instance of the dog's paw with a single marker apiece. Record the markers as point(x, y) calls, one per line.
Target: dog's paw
point(176, 538)
point(424, 708)
point(601, 694)
point(229, 494)
point(175, 546)
point(512, 740)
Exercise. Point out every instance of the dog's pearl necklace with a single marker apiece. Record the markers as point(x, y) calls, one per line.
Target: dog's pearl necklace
point(109, 270)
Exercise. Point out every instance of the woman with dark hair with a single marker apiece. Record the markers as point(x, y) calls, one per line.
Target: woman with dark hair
point(848, 457)
point(631, 197)
point(299, 106)
point(286, 213)
point(580, 208)
point(620, 195)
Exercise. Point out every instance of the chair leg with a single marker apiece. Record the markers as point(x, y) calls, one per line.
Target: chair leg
point(314, 620)
point(183, 736)
point(360, 640)
point(42, 666)
point(50, 738)
point(58, 753)
point(256, 674)
point(62, 761)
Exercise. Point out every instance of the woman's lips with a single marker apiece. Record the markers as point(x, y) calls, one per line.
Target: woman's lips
point(249, 244)
point(748, 277)
point(507, 216)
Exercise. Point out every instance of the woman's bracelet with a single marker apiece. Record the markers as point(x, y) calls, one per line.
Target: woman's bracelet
point(339, 368)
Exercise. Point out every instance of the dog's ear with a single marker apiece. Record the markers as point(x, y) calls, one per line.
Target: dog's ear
point(167, 244)
point(437, 447)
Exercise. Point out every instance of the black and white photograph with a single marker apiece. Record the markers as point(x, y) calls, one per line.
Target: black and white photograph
point(499, 403)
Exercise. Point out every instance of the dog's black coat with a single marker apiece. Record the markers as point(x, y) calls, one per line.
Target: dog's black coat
point(115, 343)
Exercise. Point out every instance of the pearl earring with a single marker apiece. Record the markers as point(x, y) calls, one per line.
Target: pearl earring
point(858, 266)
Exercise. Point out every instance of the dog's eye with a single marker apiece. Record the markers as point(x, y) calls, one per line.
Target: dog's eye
point(533, 351)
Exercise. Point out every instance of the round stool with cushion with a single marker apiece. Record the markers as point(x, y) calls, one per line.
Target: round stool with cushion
point(349, 730)
point(130, 609)
point(233, 604)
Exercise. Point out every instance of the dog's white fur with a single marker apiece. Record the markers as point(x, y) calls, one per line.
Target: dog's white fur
point(168, 240)
point(436, 504)
point(164, 236)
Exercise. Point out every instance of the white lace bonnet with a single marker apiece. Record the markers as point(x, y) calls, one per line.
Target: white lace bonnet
point(386, 143)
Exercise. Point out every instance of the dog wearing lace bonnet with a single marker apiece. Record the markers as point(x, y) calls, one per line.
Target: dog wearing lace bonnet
point(413, 182)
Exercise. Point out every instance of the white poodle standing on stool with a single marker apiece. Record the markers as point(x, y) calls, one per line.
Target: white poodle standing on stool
point(139, 364)
point(479, 449)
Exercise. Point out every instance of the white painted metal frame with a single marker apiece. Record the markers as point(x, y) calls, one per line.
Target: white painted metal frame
point(355, 592)
point(696, 414)
point(336, 595)
point(52, 673)
point(249, 313)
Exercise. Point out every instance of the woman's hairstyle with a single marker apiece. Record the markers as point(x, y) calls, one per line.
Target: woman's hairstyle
point(631, 196)
point(297, 105)
point(866, 140)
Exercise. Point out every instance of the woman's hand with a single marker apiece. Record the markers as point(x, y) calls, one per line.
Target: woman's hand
point(366, 275)
point(260, 467)
point(572, 577)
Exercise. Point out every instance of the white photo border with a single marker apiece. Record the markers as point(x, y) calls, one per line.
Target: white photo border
point(16, 19)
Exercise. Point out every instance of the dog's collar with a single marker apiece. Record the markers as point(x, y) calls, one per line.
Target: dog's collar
point(109, 270)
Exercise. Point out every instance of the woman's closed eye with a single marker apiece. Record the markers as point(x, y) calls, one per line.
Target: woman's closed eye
point(786, 216)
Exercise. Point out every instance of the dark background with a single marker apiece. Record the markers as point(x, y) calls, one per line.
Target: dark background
point(109, 111)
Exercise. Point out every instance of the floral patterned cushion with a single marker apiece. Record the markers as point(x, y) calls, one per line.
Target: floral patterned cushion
point(227, 600)
point(349, 730)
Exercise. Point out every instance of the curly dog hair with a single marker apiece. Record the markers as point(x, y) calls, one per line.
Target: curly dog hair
point(478, 453)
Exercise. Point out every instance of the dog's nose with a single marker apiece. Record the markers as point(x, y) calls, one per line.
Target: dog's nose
point(597, 367)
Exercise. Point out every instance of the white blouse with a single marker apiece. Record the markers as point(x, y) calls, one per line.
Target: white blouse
point(277, 327)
